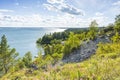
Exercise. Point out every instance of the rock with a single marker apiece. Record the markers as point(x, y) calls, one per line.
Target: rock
point(34, 67)
point(85, 51)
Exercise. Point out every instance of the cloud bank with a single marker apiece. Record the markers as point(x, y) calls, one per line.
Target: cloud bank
point(62, 14)
point(62, 6)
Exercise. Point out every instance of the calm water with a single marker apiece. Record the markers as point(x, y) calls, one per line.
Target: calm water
point(24, 39)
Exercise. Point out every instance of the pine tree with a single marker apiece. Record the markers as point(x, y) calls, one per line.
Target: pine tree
point(71, 44)
point(27, 59)
point(117, 23)
point(7, 56)
point(93, 28)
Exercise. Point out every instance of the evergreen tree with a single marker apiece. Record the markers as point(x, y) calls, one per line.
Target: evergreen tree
point(93, 28)
point(71, 44)
point(7, 55)
point(117, 23)
point(57, 57)
point(27, 59)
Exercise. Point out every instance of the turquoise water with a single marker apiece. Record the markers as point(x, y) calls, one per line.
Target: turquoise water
point(24, 39)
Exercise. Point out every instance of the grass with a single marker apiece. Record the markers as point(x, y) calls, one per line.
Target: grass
point(104, 65)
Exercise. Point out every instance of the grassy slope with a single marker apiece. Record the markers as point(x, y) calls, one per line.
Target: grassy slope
point(104, 65)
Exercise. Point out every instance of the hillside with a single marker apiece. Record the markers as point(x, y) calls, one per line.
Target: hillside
point(92, 54)
point(101, 66)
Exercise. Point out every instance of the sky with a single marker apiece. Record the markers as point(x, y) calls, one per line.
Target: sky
point(57, 13)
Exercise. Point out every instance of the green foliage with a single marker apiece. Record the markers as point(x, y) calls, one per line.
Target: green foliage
point(7, 56)
point(71, 44)
point(48, 60)
point(46, 39)
point(93, 28)
point(43, 61)
point(53, 38)
point(20, 64)
point(82, 36)
point(76, 30)
point(57, 48)
point(60, 35)
point(55, 41)
point(27, 59)
point(109, 50)
point(117, 23)
point(39, 60)
point(48, 49)
point(39, 40)
point(109, 27)
point(116, 37)
point(57, 57)
point(93, 24)
point(53, 48)
point(101, 32)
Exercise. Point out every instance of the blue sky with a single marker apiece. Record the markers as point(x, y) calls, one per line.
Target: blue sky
point(57, 13)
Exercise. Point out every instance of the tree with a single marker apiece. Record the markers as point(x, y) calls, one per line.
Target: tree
point(117, 23)
point(48, 49)
point(116, 37)
point(7, 55)
point(27, 59)
point(72, 43)
point(109, 27)
point(93, 28)
point(39, 60)
point(48, 60)
point(56, 57)
point(93, 24)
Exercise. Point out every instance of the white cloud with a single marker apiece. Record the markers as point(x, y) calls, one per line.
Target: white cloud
point(24, 7)
point(99, 14)
point(68, 15)
point(62, 6)
point(117, 3)
point(64, 20)
point(70, 9)
point(101, 20)
point(116, 9)
point(37, 20)
point(5, 10)
point(50, 7)
point(17, 20)
point(55, 1)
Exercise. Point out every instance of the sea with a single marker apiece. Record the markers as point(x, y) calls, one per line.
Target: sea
point(23, 39)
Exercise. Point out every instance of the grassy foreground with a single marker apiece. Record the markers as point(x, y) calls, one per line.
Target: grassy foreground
point(104, 65)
